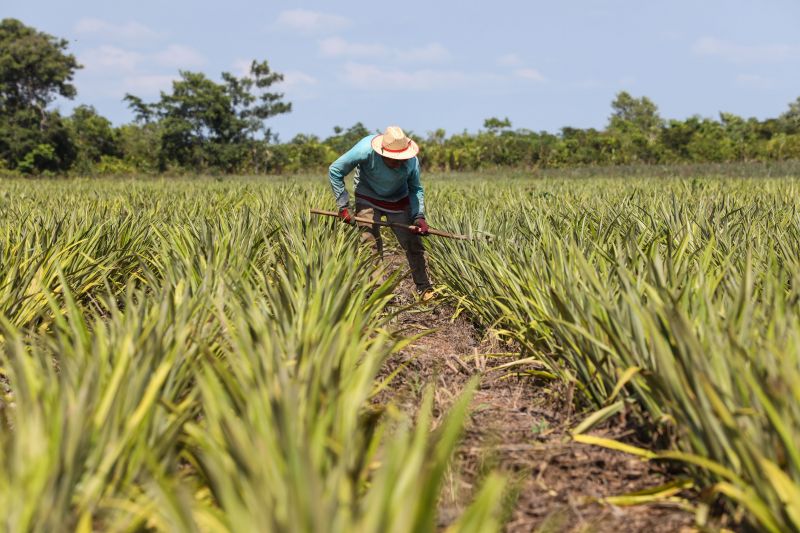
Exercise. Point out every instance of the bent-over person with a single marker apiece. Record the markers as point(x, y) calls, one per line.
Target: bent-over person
point(386, 185)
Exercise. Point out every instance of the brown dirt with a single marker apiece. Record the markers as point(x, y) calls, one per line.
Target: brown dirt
point(520, 426)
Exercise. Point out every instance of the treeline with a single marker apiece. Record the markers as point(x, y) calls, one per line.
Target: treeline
point(632, 137)
point(207, 126)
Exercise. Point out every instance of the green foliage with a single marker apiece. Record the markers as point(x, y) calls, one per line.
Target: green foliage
point(784, 147)
point(113, 166)
point(303, 152)
point(34, 69)
point(495, 125)
point(41, 158)
point(342, 140)
point(635, 115)
point(203, 124)
point(94, 138)
point(140, 145)
point(675, 301)
point(711, 143)
point(175, 356)
point(26, 131)
point(636, 125)
point(790, 120)
point(636, 135)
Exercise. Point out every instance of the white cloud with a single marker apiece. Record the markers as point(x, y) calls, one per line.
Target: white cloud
point(740, 53)
point(338, 47)
point(755, 81)
point(373, 77)
point(310, 22)
point(128, 31)
point(110, 58)
point(111, 61)
point(179, 56)
point(529, 74)
point(518, 68)
point(299, 84)
point(291, 78)
point(147, 84)
point(295, 78)
point(509, 60)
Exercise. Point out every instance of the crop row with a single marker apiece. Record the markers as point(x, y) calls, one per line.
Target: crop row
point(674, 301)
point(202, 356)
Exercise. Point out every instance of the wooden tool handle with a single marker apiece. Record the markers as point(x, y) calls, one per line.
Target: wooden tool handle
point(406, 227)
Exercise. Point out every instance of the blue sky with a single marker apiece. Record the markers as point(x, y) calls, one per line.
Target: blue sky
point(426, 65)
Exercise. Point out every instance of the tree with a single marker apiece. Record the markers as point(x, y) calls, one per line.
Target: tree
point(342, 140)
point(197, 119)
point(743, 135)
point(639, 114)
point(637, 125)
point(710, 144)
point(93, 136)
point(34, 67)
point(251, 100)
point(790, 120)
point(208, 124)
point(495, 125)
point(34, 70)
point(140, 145)
point(676, 137)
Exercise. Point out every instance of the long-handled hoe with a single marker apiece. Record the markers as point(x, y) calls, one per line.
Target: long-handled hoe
point(393, 225)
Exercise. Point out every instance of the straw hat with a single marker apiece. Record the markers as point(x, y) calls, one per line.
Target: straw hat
point(394, 144)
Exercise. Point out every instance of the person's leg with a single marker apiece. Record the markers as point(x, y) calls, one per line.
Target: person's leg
point(370, 233)
point(415, 252)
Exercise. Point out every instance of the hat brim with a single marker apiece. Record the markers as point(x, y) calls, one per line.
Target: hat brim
point(411, 150)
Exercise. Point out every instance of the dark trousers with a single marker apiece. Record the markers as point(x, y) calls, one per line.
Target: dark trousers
point(411, 242)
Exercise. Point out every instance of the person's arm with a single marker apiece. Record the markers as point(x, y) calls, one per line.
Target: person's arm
point(341, 168)
point(416, 194)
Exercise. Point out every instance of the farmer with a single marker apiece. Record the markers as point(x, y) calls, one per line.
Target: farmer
point(387, 185)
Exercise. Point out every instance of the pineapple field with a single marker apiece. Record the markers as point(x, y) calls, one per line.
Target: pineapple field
point(206, 355)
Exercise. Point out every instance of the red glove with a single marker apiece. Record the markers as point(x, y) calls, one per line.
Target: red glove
point(421, 227)
point(344, 214)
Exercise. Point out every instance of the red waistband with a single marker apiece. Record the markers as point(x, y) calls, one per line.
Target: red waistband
point(397, 205)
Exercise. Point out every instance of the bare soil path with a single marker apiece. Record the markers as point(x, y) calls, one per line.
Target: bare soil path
point(521, 427)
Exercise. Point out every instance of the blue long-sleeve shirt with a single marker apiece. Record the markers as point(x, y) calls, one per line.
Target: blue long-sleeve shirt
point(374, 179)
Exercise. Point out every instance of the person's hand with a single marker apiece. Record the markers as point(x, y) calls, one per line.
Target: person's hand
point(344, 214)
point(421, 227)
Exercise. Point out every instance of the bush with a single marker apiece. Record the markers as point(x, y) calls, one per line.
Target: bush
point(40, 160)
point(114, 166)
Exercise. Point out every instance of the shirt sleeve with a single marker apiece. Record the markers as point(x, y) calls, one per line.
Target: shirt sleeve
point(415, 193)
point(341, 168)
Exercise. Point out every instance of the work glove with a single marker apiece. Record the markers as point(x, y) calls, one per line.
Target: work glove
point(421, 227)
point(344, 214)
